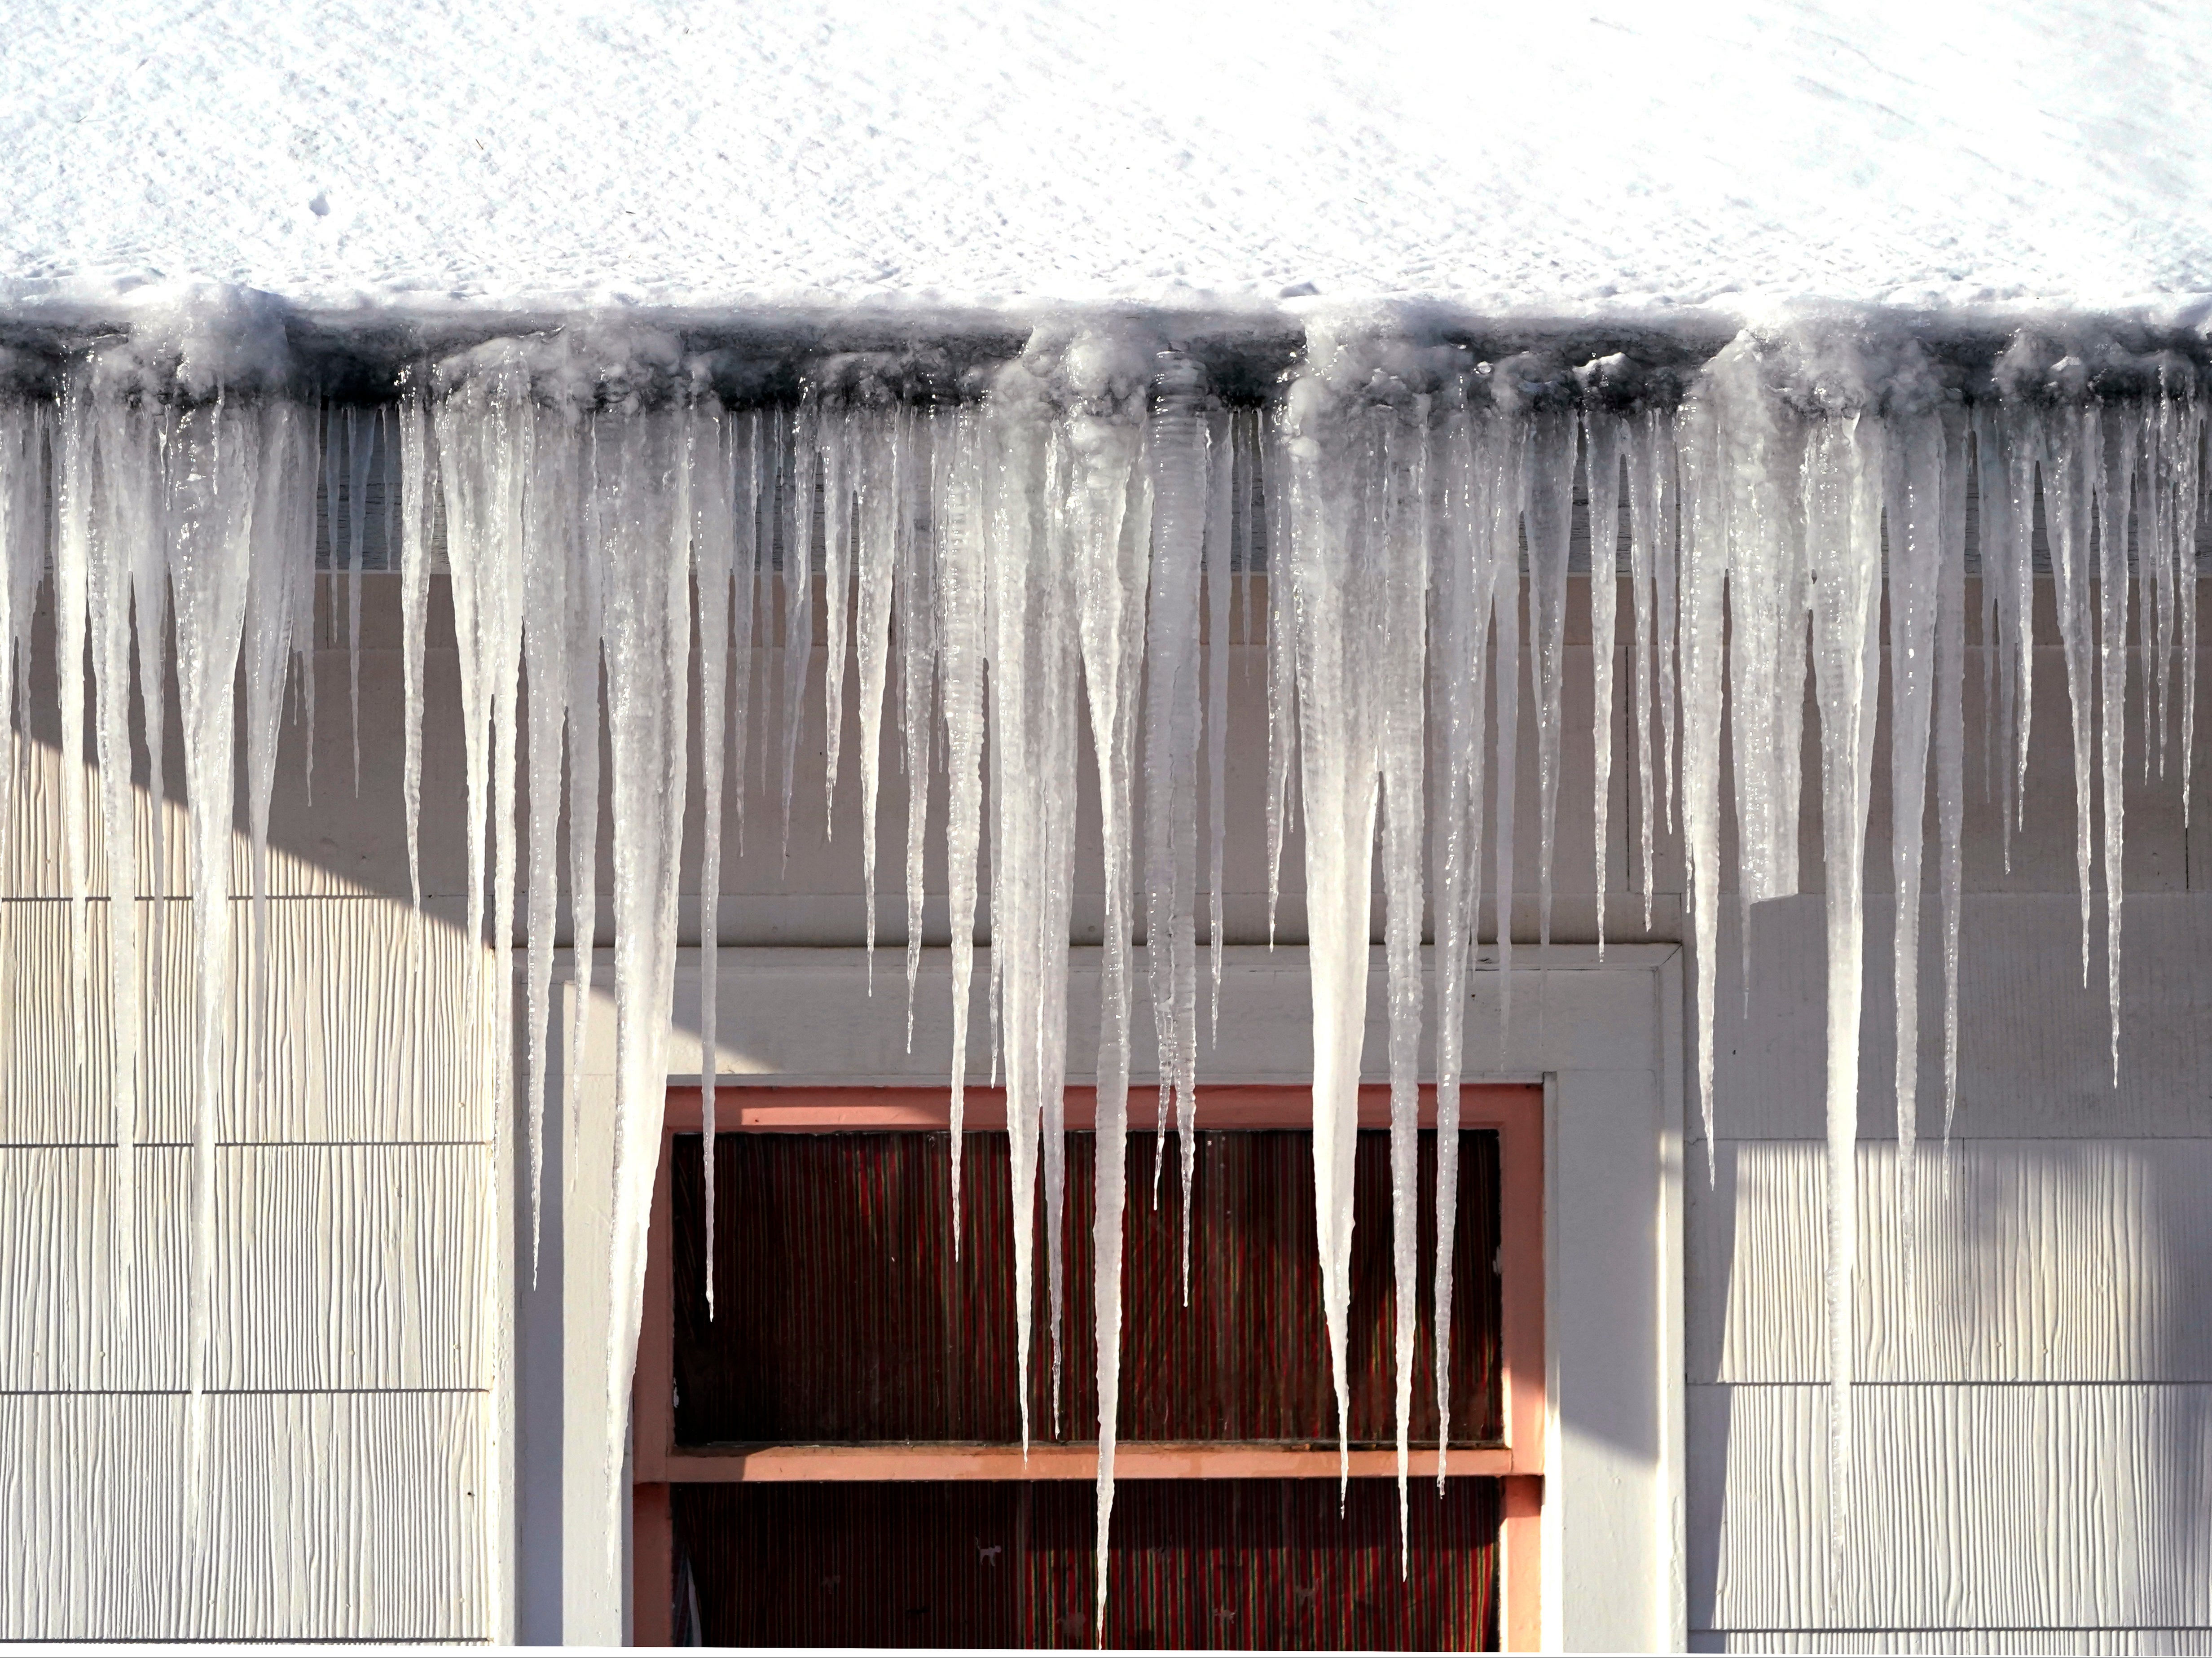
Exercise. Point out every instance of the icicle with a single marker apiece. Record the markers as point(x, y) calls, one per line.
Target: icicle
point(1356, 569)
point(797, 543)
point(1180, 448)
point(1702, 577)
point(279, 623)
point(873, 463)
point(127, 522)
point(847, 441)
point(416, 499)
point(2115, 514)
point(1917, 512)
point(360, 441)
point(963, 632)
point(1767, 603)
point(913, 460)
point(714, 553)
point(1033, 699)
point(1601, 468)
point(1951, 736)
point(1111, 544)
point(1667, 526)
point(1465, 566)
point(2185, 447)
point(1844, 466)
point(641, 490)
point(1282, 669)
point(1644, 504)
point(75, 462)
point(555, 514)
point(486, 428)
point(1549, 517)
point(25, 431)
point(1402, 603)
point(1231, 485)
point(1508, 499)
point(2073, 459)
point(214, 476)
point(587, 618)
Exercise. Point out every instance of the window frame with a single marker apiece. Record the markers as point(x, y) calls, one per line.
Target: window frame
point(1515, 1111)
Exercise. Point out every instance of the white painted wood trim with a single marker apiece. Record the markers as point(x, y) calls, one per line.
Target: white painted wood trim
point(1603, 1035)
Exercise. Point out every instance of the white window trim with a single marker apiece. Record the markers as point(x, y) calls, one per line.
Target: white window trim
point(1604, 1035)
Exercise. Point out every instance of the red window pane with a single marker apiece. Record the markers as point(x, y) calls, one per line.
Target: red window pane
point(1214, 1563)
point(843, 1316)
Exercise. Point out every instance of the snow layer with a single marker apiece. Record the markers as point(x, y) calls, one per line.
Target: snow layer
point(1645, 155)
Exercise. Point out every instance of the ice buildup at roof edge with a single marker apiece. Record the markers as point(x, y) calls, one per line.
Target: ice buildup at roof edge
point(1005, 518)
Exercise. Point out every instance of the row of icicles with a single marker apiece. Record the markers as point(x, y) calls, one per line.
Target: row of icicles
point(1002, 574)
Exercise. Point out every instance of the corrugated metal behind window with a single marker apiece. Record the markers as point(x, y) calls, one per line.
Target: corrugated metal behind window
point(1234, 1564)
point(843, 1314)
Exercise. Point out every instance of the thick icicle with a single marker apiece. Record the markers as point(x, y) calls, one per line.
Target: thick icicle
point(75, 465)
point(1465, 568)
point(1707, 421)
point(280, 600)
point(1845, 467)
point(127, 521)
point(714, 554)
point(1360, 593)
point(1601, 466)
point(1111, 509)
point(1402, 495)
point(486, 428)
point(1034, 700)
point(215, 462)
point(555, 514)
point(640, 486)
point(1180, 446)
point(1917, 513)
point(963, 634)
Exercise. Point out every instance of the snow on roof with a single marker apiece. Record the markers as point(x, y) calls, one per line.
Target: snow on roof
point(1639, 157)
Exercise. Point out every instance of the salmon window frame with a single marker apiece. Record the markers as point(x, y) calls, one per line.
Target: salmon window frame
point(1514, 1112)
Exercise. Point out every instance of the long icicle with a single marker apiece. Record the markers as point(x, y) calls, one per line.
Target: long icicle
point(1113, 550)
point(1407, 453)
point(1601, 466)
point(713, 557)
point(1916, 512)
point(555, 516)
point(963, 634)
point(1844, 466)
point(1464, 569)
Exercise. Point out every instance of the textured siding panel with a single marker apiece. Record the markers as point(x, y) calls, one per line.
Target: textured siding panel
point(324, 1515)
point(2033, 1043)
point(2003, 1508)
point(340, 1267)
point(363, 1036)
point(2047, 1260)
point(2024, 1641)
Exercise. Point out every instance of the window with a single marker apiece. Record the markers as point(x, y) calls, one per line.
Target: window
point(849, 1417)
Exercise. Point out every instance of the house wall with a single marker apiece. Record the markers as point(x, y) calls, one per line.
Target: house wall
point(2031, 1455)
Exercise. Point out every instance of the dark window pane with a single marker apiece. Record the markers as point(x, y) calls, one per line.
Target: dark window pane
point(1234, 1563)
point(843, 1316)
